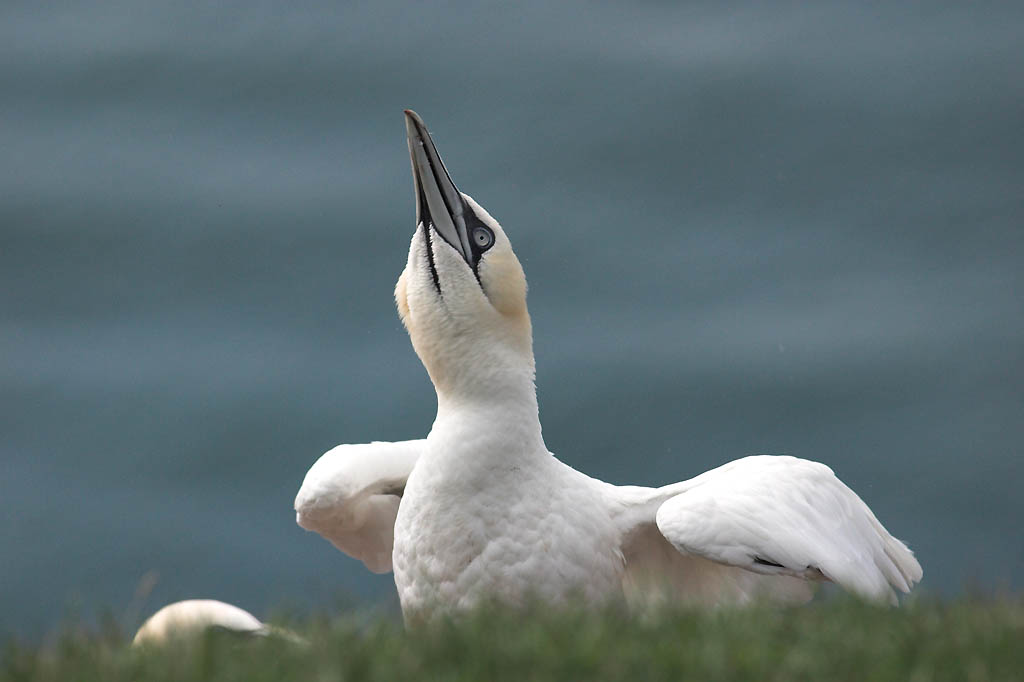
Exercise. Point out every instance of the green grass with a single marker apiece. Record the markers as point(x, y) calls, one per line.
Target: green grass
point(832, 640)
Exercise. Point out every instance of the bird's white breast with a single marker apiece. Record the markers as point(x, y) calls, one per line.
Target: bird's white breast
point(509, 526)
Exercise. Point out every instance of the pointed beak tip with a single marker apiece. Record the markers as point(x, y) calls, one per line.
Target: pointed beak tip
point(414, 127)
point(412, 117)
point(438, 199)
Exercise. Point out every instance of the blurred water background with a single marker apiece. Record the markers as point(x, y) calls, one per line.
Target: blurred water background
point(764, 227)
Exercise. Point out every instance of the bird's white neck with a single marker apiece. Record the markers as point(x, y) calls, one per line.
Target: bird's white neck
point(510, 400)
point(499, 423)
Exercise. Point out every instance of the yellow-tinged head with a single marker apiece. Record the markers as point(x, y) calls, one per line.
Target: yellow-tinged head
point(462, 295)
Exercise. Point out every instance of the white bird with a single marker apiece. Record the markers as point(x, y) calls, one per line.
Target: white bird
point(481, 510)
point(192, 617)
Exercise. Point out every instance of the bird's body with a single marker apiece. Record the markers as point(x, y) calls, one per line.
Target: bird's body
point(485, 520)
point(481, 510)
point(192, 617)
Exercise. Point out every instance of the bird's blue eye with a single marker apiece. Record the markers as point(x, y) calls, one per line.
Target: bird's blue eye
point(483, 238)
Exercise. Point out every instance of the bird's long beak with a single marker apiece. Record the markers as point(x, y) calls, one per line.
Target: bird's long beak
point(438, 201)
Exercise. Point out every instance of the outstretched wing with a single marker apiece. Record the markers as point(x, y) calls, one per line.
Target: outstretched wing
point(350, 496)
point(778, 519)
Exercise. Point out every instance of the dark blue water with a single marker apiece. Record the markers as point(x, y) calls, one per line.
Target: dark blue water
point(760, 227)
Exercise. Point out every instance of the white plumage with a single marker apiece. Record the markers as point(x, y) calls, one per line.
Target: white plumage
point(191, 617)
point(481, 509)
point(351, 495)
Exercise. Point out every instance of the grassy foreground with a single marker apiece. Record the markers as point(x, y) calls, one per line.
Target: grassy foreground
point(833, 640)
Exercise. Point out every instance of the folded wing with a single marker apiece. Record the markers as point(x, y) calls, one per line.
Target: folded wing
point(350, 496)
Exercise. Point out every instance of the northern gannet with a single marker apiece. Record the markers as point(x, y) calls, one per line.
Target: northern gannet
point(481, 510)
point(192, 617)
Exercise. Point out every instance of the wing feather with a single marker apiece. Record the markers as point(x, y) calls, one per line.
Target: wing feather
point(779, 515)
point(350, 496)
point(657, 573)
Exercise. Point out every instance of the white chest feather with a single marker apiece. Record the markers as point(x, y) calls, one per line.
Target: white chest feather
point(509, 532)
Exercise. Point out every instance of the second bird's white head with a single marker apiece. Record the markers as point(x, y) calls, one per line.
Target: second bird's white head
point(462, 295)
